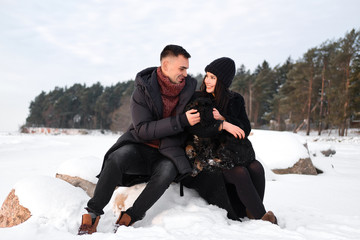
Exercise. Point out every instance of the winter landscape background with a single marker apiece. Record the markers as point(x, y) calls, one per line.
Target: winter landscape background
point(307, 207)
point(44, 44)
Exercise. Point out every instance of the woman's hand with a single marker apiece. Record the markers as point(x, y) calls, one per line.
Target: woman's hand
point(193, 116)
point(217, 115)
point(233, 129)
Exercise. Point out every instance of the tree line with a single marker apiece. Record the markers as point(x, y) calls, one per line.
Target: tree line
point(78, 106)
point(321, 90)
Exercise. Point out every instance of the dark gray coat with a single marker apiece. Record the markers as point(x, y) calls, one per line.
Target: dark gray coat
point(147, 122)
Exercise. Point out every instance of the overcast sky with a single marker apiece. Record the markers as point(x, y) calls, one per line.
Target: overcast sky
point(49, 43)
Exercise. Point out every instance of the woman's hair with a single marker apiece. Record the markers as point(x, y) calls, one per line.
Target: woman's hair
point(221, 95)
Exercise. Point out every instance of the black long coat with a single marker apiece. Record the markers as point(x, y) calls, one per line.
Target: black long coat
point(148, 124)
point(211, 185)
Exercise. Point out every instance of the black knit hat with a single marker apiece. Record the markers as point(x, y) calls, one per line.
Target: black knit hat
point(224, 69)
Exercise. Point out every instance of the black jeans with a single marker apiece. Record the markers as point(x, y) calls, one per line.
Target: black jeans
point(134, 159)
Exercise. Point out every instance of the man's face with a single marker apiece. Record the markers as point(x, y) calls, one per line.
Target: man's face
point(175, 68)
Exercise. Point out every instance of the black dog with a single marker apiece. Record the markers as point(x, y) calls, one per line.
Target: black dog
point(209, 149)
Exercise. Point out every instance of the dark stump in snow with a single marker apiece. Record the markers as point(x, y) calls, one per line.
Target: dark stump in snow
point(328, 152)
point(303, 166)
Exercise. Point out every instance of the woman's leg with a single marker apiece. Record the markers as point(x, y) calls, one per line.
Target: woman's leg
point(247, 192)
point(257, 174)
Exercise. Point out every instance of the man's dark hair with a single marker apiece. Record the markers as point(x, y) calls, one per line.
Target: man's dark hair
point(174, 50)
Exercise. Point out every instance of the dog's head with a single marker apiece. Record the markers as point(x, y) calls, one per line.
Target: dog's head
point(205, 108)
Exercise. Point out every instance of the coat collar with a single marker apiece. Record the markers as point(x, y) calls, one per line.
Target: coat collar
point(148, 79)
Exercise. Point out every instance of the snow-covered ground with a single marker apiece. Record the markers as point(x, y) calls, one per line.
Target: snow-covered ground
point(307, 207)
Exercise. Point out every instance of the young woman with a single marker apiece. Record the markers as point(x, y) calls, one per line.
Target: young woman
point(239, 188)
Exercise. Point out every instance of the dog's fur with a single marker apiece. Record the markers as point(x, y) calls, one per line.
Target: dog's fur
point(208, 149)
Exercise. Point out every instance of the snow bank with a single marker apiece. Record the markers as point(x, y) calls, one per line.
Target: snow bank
point(51, 200)
point(278, 150)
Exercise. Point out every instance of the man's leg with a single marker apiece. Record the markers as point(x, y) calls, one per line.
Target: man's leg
point(163, 174)
point(127, 158)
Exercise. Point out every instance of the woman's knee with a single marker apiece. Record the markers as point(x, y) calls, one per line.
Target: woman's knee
point(238, 171)
point(236, 174)
point(256, 167)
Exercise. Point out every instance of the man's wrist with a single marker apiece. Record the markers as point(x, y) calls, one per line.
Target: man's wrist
point(184, 121)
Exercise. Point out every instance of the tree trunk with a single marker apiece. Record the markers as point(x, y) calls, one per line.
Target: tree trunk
point(309, 102)
point(279, 128)
point(250, 103)
point(346, 103)
point(322, 98)
point(256, 113)
point(299, 127)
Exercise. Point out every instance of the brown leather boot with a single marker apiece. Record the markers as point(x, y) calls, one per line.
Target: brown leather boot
point(87, 227)
point(270, 217)
point(123, 220)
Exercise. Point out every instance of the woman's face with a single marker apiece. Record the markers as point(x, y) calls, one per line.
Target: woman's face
point(210, 82)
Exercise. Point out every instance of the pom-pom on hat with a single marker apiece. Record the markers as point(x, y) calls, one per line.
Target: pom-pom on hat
point(224, 69)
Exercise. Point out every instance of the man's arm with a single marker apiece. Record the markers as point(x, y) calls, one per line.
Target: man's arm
point(149, 129)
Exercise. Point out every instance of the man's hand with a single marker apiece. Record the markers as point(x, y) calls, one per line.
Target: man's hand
point(193, 116)
point(234, 130)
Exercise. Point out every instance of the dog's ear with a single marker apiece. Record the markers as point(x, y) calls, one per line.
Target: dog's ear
point(190, 105)
point(194, 104)
point(202, 101)
point(205, 108)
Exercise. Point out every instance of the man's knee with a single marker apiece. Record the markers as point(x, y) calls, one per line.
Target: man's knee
point(119, 159)
point(165, 170)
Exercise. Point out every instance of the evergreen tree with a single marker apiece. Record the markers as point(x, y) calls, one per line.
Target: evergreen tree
point(36, 111)
point(275, 109)
point(242, 84)
point(325, 53)
point(310, 73)
point(264, 89)
point(88, 100)
point(354, 89)
point(349, 48)
point(51, 111)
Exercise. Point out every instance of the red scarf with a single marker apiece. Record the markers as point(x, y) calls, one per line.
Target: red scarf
point(170, 98)
point(169, 93)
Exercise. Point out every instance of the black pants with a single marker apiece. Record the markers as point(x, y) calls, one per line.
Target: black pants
point(250, 186)
point(134, 159)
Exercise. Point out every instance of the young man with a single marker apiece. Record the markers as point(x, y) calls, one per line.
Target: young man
point(152, 149)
